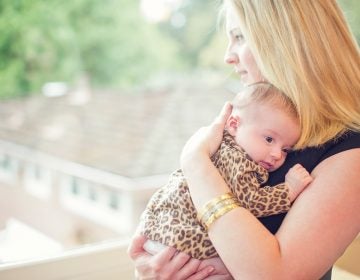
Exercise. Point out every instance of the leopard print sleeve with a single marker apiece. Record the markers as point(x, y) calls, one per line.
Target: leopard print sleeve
point(267, 201)
point(244, 177)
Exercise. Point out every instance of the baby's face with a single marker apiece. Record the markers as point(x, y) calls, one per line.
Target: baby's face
point(267, 134)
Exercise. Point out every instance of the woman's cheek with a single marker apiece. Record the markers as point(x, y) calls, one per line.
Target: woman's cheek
point(253, 72)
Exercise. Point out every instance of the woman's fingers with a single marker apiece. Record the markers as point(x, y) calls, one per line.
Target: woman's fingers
point(170, 264)
point(224, 114)
point(140, 257)
point(174, 268)
point(201, 274)
point(167, 264)
point(188, 269)
point(206, 141)
point(136, 246)
point(178, 262)
point(160, 259)
point(220, 277)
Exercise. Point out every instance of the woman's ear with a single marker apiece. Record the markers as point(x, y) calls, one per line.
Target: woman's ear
point(232, 124)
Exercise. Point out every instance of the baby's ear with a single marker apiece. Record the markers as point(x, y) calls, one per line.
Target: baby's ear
point(232, 124)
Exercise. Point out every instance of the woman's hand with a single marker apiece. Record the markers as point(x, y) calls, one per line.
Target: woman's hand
point(207, 139)
point(220, 271)
point(168, 264)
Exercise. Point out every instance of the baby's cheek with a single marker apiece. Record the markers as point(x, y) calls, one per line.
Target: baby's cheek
point(279, 163)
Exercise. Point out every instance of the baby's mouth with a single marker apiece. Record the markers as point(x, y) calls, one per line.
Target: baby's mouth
point(266, 165)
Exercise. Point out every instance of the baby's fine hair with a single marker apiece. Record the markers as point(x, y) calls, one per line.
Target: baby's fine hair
point(264, 93)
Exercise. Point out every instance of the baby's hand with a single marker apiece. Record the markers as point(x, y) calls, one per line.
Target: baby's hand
point(297, 179)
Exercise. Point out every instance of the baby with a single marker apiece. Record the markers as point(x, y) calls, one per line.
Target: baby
point(261, 130)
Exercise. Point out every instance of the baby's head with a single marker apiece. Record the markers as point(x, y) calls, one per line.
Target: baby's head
point(264, 122)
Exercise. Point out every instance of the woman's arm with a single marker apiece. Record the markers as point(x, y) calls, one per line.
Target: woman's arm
point(168, 264)
point(320, 225)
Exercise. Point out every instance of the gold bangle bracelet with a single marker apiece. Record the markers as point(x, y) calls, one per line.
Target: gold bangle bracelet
point(221, 212)
point(216, 207)
point(213, 202)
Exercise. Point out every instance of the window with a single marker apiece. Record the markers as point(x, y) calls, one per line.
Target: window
point(74, 185)
point(5, 162)
point(114, 201)
point(92, 193)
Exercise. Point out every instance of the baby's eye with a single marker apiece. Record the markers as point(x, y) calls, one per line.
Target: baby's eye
point(286, 150)
point(269, 139)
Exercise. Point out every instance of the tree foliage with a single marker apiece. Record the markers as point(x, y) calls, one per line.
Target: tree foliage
point(351, 10)
point(109, 41)
point(198, 31)
point(52, 40)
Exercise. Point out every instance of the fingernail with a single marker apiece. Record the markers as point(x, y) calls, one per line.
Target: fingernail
point(211, 269)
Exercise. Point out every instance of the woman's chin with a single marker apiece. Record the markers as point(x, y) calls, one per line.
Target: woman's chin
point(247, 81)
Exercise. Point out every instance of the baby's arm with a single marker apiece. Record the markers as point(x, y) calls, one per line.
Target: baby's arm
point(267, 200)
point(297, 179)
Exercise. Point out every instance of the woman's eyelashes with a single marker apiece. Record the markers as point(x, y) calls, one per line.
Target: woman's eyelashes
point(237, 36)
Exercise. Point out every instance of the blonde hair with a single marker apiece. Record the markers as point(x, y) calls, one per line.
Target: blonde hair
point(305, 49)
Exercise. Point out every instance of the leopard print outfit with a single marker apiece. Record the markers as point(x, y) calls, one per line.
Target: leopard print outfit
point(171, 218)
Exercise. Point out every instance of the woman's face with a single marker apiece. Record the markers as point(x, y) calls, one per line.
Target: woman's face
point(238, 53)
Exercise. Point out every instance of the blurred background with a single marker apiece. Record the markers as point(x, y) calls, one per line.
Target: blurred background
point(115, 44)
point(97, 98)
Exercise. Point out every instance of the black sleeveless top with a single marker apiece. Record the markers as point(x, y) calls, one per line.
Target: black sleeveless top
point(309, 158)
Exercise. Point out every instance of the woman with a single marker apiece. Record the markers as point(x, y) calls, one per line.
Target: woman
point(306, 50)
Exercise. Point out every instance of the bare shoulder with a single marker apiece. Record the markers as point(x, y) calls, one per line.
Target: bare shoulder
point(337, 179)
point(325, 218)
point(346, 161)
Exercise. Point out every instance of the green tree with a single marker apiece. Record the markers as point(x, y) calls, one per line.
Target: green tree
point(197, 33)
point(119, 47)
point(351, 10)
point(109, 40)
point(33, 42)
point(52, 40)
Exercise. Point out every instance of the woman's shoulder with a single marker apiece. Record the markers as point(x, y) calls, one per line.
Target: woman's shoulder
point(309, 158)
point(348, 140)
point(312, 156)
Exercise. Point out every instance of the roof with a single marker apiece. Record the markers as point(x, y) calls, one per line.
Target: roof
point(133, 134)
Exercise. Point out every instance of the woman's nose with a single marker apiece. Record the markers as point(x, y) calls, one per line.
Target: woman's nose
point(231, 58)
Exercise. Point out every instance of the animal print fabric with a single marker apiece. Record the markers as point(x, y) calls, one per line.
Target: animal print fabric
point(171, 218)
